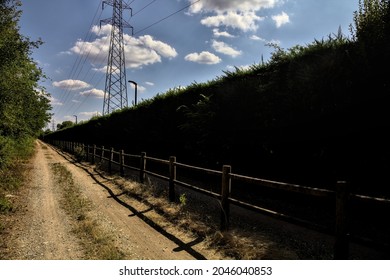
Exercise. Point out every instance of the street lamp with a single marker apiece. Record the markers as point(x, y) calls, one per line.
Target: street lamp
point(135, 85)
point(75, 117)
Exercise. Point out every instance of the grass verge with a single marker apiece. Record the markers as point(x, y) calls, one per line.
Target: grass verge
point(14, 154)
point(14, 164)
point(194, 216)
point(97, 244)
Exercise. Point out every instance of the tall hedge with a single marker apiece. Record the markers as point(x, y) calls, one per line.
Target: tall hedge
point(313, 114)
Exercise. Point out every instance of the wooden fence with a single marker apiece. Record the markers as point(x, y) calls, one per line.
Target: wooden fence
point(341, 196)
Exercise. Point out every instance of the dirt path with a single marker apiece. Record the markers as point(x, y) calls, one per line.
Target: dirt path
point(45, 230)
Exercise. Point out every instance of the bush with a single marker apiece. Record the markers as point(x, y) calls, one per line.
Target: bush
point(5, 151)
point(79, 153)
point(5, 204)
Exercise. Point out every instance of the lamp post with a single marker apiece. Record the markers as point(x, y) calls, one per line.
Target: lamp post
point(135, 98)
point(76, 118)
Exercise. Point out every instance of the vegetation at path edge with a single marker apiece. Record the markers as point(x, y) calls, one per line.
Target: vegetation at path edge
point(24, 104)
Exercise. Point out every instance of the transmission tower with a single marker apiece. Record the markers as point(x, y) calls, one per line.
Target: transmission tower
point(115, 93)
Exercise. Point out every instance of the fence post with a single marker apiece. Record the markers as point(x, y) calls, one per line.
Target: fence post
point(225, 194)
point(122, 162)
point(172, 178)
point(142, 167)
point(102, 155)
point(83, 151)
point(341, 247)
point(94, 154)
point(87, 154)
point(111, 160)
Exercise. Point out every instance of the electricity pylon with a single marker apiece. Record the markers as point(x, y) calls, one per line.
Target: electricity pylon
point(115, 93)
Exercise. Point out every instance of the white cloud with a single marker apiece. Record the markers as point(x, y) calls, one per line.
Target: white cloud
point(149, 83)
point(203, 58)
point(218, 33)
point(161, 48)
point(54, 101)
point(65, 53)
point(71, 84)
point(224, 48)
point(96, 50)
point(281, 19)
point(244, 21)
point(256, 38)
point(242, 67)
point(101, 30)
point(93, 92)
point(239, 14)
point(101, 69)
point(42, 64)
point(231, 5)
point(141, 51)
point(139, 87)
point(90, 114)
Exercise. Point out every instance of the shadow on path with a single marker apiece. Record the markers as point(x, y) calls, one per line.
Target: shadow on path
point(182, 246)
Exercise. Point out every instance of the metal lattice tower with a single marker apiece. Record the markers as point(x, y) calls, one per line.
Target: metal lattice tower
point(115, 93)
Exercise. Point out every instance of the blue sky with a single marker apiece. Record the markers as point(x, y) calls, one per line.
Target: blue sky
point(194, 45)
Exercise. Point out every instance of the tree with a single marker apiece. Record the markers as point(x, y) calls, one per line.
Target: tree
point(372, 28)
point(24, 105)
point(64, 124)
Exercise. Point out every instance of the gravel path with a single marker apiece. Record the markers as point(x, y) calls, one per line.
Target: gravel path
point(42, 230)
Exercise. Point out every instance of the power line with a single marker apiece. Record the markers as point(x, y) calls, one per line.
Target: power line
point(93, 76)
point(76, 69)
point(76, 64)
point(79, 59)
point(140, 10)
point(174, 13)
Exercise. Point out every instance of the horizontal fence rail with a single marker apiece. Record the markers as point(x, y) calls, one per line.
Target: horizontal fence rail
point(283, 186)
point(341, 196)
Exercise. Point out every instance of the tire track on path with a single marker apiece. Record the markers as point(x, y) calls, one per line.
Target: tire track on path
point(45, 230)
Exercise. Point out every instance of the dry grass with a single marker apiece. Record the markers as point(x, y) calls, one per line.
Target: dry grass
point(13, 173)
point(97, 243)
point(194, 216)
point(12, 179)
